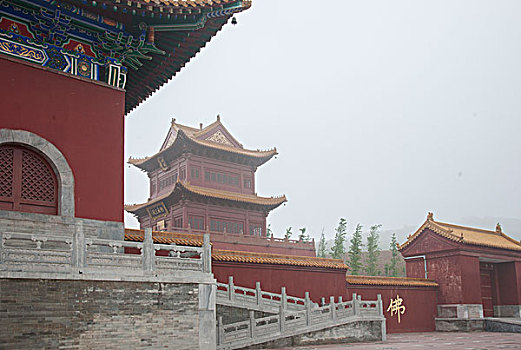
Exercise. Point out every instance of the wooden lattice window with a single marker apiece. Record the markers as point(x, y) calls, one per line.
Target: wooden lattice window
point(27, 181)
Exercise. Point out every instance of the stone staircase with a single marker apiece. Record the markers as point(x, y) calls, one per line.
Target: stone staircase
point(295, 320)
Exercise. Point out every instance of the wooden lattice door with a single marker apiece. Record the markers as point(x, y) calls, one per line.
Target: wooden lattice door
point(27, 181)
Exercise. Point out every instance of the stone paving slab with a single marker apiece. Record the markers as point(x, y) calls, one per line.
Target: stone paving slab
point(432, 340)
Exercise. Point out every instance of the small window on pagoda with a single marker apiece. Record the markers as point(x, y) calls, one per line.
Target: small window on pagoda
point(247, 183)
point(256, 230)
point(194, 173)
point(27, 181)
point(178, 222)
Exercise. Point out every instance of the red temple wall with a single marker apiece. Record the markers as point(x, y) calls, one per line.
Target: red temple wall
point(508, 277)
point(83, 119)
point(415, 268)
point(458, 278)
point(420, 306)
point(470, 279)
point(319, 282)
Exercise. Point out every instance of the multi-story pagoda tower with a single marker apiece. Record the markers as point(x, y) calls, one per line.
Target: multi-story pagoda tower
point(204, 179)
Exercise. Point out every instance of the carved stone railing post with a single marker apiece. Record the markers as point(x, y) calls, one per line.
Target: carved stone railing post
point(308, 309)
point(1, 247)
point(149, 254)
point(231, 289)
point(355, 305)
point(379, 305)
point(258, 293)
point(283, 298)
point(220, 330)
point(332, 307)
point(322, 301)
point(282, 319)
point(252, 324)
point(207, 254)
point(79, 249)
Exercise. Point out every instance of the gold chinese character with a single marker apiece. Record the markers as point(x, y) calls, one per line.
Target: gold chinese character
point(395, 306)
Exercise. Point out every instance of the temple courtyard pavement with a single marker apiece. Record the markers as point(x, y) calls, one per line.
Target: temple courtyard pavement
point(432, 340)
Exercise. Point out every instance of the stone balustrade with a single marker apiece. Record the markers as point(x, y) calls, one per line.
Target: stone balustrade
point(256, 299)
point(287, 323)
point(47, 253)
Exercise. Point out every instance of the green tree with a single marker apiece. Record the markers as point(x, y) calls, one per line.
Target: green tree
point(288, 233)
point(355, 251)
point(302, 236)
point(373, 252)
point(338, 250)
point(392, 267)
point(322, 245)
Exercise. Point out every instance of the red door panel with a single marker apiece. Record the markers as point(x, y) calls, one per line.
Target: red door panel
point(27, 181)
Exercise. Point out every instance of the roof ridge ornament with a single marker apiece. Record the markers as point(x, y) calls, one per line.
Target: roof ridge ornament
point(430, 216)
point(498, 228)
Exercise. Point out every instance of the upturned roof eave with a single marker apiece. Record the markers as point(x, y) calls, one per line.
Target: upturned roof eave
point(444, 230)
point(150, 163)
point(137, 209)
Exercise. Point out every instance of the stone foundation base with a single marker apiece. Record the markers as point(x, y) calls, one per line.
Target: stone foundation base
point(507, 311)
point(459, 324)
point(489, 324)
point(461, 311)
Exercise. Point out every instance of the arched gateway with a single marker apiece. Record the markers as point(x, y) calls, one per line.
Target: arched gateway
point(34, 175)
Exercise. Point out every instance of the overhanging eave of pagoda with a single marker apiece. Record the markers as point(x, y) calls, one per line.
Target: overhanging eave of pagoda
point(138, 45)
point(185, 191)
point(186, 144)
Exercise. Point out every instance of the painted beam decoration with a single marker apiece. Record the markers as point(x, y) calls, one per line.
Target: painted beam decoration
point(69, 39)
point(110, 40)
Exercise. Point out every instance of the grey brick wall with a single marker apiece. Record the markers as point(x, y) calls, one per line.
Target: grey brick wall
point(37, 314)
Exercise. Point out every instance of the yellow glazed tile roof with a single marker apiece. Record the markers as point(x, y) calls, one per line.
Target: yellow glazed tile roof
point(233, 196)
point(390, 281)
point(466, 235)
point(278, 259)
point(195, 240)
point(193, 133)
point(212, 193)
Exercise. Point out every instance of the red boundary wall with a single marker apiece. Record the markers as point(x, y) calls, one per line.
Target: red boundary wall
point(319, 282)
point(420, 305)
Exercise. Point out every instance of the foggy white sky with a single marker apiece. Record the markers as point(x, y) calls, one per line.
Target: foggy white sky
point(380, 110)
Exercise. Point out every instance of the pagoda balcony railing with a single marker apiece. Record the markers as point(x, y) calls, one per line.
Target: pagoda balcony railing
point(41, 253)
point(220, 236)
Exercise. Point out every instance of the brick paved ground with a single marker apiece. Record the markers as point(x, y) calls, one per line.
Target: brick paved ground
point(433, 340)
